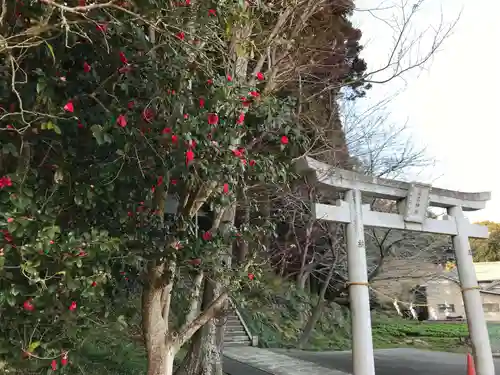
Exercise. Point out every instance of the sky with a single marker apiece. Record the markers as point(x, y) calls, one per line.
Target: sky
point(452, 107)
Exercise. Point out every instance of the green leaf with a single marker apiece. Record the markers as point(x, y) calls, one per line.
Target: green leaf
point(11, 300)
point(9, 148)
point(51, 50)
point(40, 86)
point(98, 134)
point(32, 347)
point(57, 129)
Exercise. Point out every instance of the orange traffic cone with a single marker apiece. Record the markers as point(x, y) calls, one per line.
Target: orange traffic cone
point(471, 370)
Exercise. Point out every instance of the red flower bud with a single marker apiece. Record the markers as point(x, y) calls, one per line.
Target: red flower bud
point(189, 156)
point(121, 121)
point(28, 306)
point(123, 58)
point(213, 119)
point(68, 107)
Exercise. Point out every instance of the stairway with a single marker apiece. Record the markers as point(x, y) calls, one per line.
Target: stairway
point(236, 332)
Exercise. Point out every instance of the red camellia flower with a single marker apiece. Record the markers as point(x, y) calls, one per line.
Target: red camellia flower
point(10, 220)
point(213, 119)
point(225, 189)
point(69, 107)
point(260, 76)
point(86, 67)
point(148, 114)
point(7, 236)
point(166, 131)
point(64, 359)
point(28, 305)
point(241, 118)
point(207, 236)
point(195, 262)
point(173, 181)
point(123, 58)
point(252, 163)
point(255, 94)
point(93, 283)
point(102, 27)
point(238, 152)
point(209, 81)
point(284, 140)
point(175, 138)
point(189, 156)
point(53, 365)
point(180, 35)
point(130, 104)
point(72, 307)
point(125, 69)
point(211, 12)
point(121, 121)
point(186, 116)
point(245, 102)
point(202, 103)
point(251, 276)
point(229, 78)
point(5, 181)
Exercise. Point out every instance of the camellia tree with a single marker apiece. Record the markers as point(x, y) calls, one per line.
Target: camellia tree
point(115, 131)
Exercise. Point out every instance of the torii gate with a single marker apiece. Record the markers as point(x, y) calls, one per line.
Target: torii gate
point(413, 201)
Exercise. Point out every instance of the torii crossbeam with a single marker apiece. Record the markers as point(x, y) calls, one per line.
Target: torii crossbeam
point(413, 200)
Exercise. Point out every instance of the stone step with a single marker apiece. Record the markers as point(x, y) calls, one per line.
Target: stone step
point(243, 340)
point(236, 334)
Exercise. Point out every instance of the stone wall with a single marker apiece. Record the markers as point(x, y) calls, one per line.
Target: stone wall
point(398, 276)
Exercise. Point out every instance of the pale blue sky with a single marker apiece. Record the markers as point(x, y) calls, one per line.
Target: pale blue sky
point(453, 106)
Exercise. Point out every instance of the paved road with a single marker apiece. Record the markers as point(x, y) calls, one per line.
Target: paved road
point(392, 361)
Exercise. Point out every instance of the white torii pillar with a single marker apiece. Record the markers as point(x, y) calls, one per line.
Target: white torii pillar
point(413, 201)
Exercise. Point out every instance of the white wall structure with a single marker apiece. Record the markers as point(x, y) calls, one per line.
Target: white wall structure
point(413, 199)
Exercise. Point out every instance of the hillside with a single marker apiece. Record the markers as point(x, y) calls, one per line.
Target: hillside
point(277, 312)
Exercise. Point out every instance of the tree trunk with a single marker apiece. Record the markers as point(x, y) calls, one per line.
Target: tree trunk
point(318, 309)
point(311, 323)
point(154, 330)
point(204, 357)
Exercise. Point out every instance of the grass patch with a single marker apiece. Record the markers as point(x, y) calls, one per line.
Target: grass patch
point(448, 337)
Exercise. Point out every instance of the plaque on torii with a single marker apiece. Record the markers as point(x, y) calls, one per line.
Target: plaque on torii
point(414, 200)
